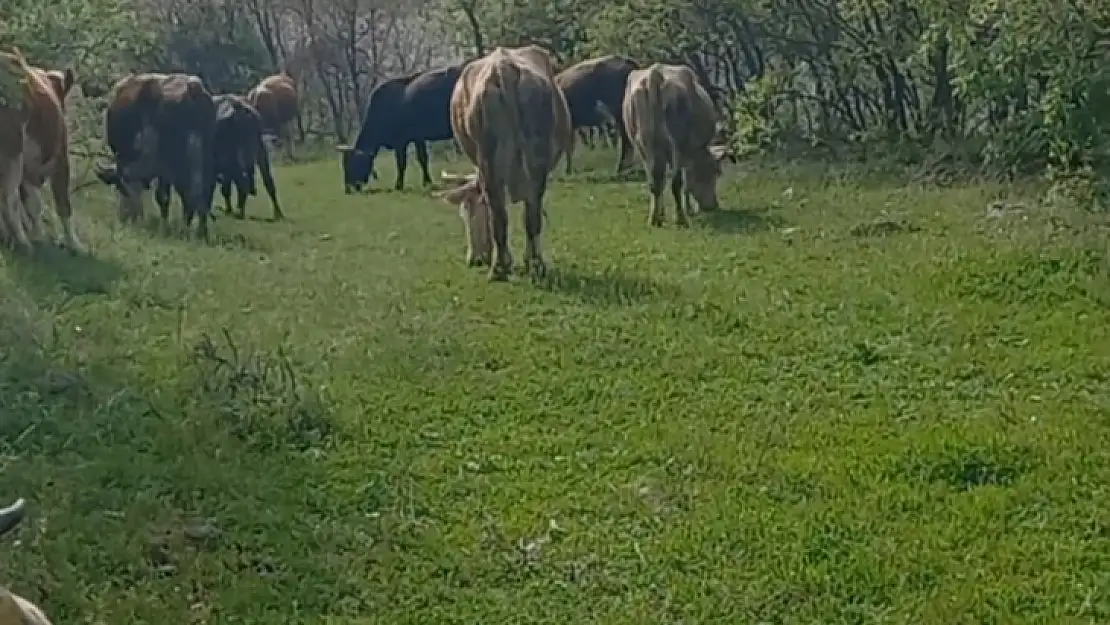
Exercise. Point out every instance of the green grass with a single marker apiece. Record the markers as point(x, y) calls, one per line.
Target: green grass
point(785, 414)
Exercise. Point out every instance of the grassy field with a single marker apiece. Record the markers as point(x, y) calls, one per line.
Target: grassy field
point(834, 402)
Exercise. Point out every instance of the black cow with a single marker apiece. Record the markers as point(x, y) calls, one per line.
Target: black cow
point(239, 149)
point(162, 127)
point(411, 109)
point(593, 83)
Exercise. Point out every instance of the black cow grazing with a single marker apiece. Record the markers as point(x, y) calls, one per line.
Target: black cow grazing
point(411, 109)
point(595, 82)
point(239, 149)
point(161, 126)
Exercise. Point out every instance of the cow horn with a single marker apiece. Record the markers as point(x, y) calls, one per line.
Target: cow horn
point(105, 168)
point(457, 178)
point(12, 515)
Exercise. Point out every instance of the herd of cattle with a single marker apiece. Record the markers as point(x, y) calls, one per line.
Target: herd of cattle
point(511, 113)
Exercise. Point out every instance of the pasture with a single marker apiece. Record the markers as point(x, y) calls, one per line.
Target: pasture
point(834, 402)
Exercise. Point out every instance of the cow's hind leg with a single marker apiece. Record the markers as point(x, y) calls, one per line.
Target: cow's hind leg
point(502, 264)
point(33, 212)
point(680, 217)
point(658, 180)
point(570, 152)
point(63, 205)
point(162, 198)
point(225, 190)
point(534, 261)
point(243, 188)
point(422, 158)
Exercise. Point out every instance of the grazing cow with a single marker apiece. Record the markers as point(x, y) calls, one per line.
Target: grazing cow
point(513, 123)
point(278, 103)
point(15, 610)
point(161, 126)
point(410, 109)
point(239, 150)
point(598, 83)
point(34, 148)
point(672, 123)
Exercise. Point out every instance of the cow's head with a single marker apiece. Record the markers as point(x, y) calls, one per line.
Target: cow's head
point(358, 167)
point(129, 183)
point(702, 175)
point(468, 197)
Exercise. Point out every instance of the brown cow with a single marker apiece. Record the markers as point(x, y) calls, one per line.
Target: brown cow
point(277, 101)
point(161, 127)
point(593, 84)
point(34, 148)
point(672, 123)
point(513, 123)
point(15, 610)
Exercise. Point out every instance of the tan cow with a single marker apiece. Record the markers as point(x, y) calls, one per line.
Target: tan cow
point(34, 148)
point(15, 610)
point(672, 123)
point(277, 101)
point(512, 122)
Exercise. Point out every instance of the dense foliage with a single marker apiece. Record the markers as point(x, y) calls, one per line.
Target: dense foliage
point(1015, 88)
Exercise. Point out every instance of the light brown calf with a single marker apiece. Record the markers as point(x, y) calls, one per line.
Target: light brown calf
point(512, 122)
point(34, 148)
point(672, 123)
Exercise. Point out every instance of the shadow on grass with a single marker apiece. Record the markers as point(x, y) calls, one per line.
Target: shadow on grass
point(634, 174)
point(52, 266)
point(735, 221)
point(610, 288)
point(217, 234)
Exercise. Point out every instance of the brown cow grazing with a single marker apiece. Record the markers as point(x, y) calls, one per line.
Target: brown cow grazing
point(15, 610)
point(672, 123)
point(161, 126)
point(513, 123)
point(593, 83)
point(34, 148)
point(277, 101)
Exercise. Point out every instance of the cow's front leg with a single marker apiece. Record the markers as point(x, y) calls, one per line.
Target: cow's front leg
point(162, 198)
point(401, 155)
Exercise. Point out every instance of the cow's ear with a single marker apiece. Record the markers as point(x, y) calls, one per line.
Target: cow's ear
point(719, 152)
point(68, 80)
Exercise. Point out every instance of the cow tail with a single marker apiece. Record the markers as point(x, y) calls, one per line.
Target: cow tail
point(660, 142)
point(516, 157)
point(262, 160)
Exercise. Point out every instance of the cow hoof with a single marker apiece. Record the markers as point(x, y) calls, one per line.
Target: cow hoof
point(499, 273)
point(682, 223)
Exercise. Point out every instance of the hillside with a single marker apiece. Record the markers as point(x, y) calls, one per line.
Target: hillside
point(834, 402)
